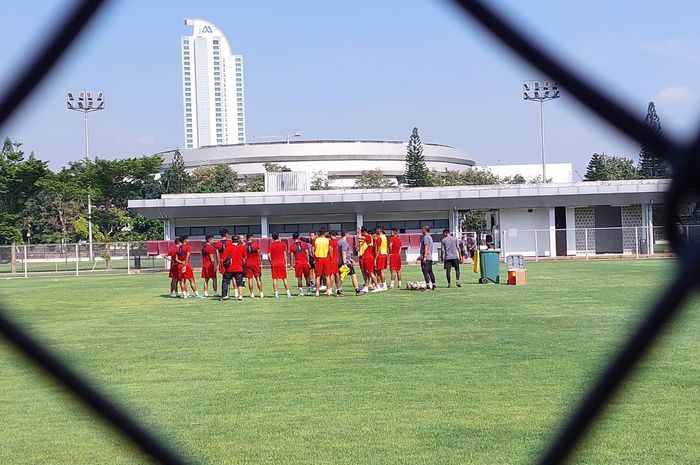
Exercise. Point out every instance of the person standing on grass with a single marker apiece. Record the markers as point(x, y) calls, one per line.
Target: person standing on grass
point(322, 252)
point(277, 254)
point(186, 272)
point(210, 257)
point(382, 251)
point(237, 268)
point(450, 256)
point(300, 252)
point(253, 265)
point(345, 259)
point(312, 260)
point(335, 274)
point(226, 260)
point(426, 258)
point(174, 273)
point(366, 251)
point(395, 257)
point(220, 246)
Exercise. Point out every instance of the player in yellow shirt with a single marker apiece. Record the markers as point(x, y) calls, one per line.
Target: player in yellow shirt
point(381, 251)
point(323, 253)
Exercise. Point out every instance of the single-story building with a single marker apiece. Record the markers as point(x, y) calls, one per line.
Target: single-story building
point(537, 220)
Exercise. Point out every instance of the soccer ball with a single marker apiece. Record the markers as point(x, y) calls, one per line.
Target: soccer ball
point(411, 286)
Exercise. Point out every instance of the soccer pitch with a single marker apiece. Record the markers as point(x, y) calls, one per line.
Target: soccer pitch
point(481, 374)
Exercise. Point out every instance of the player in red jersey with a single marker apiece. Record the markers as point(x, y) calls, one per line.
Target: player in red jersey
point(395, 257)
point(174, 272)
point(366, 258)
point(300, 252)
point(185, 267)
point(233, 261)
point(210, 261)
point(335, 274)
point(220, 246)
point(253, 265)
point(277, 254)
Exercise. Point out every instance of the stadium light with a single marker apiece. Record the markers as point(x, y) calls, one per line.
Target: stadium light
point(541, 91)
point(86, 103)
point(294, 134)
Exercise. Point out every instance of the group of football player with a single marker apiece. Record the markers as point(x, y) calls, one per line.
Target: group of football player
point(321, 262)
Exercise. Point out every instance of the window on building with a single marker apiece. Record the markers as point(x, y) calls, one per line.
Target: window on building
point(217, 99)
point(219, 141)
point(240, 99)
point(240, 114)
point(187, 99)
point(218, 120)
point(239, 80)
point(239, 94)
point(217, 94)
point(188, 94)
point(218, 114)
point(215, 41)
point(187, 68)
point(217, 68)
point(218, 125)
point(189, 120)
point(216, 73)
point(189, 125)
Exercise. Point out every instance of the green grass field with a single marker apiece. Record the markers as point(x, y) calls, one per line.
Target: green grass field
point(478, 375)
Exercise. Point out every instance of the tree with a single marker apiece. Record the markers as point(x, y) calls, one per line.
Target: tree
point(18, 184)
point(320, 181)
point(472, 177)
point(651, 164)
point(275, 167)
point(417, 174)
point(603, 167)
point(217, 178)
point(372, 179)
point(596, 170)
point(176, 179)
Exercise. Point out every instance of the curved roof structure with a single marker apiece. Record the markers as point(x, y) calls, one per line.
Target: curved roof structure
point(339, 158)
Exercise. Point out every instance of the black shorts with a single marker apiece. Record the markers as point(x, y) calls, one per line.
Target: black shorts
point(351, 268)
point(238, 277)
point(451, 263)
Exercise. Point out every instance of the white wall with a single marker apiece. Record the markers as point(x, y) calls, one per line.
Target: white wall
point(557, 172)
point(518, 235)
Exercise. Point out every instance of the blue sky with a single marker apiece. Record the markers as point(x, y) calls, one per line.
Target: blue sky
point(362, 70)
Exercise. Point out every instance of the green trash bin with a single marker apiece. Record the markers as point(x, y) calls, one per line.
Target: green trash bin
point(490, 266)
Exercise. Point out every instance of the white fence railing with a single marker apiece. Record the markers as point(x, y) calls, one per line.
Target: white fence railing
point(535, 244)
point(112, 257)
point(589, 242)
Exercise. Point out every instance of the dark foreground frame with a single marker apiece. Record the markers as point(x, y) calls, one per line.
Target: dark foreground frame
point(682, 157)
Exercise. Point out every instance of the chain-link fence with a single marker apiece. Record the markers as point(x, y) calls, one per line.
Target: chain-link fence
point(681, 156)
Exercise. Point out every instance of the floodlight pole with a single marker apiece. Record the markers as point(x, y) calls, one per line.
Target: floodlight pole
point(541, 91)
point(544, 164)
point(86, 105)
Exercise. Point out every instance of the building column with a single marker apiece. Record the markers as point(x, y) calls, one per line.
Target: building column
point(264, 227)
point(552, 233)
point(648, 223)
point(169, 229)
point(454, 225)
point(359, 219)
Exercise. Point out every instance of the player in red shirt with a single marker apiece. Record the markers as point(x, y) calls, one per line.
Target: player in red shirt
point(253, 265)
point(302, 268)
point(395, 257)
point(233, 261)
point(185, 267)
point(174, 272)
point(277, 254)
point(220, 246)
point(366, 258)
point(210, 261)
point(335, 274)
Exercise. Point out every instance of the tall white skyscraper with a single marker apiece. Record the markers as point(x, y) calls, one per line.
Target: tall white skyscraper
point(212, 88)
